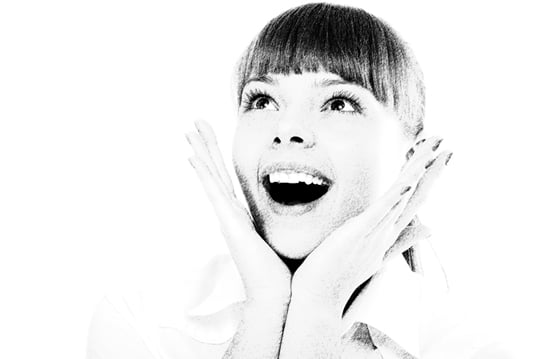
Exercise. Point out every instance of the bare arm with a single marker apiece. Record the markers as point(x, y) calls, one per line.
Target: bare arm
point(260, 331)
point(312, 331)
point(266, 279)
point(354, 252)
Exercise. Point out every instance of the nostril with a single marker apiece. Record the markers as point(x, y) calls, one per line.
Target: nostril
point(277, 140)
point(297, 139)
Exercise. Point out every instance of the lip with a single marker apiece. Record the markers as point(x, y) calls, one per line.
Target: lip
point(296, 167)
point(298, 209)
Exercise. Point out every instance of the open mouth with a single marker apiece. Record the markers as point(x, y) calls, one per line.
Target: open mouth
point(291, 188)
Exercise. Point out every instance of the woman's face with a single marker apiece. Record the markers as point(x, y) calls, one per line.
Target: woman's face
point(312, 150)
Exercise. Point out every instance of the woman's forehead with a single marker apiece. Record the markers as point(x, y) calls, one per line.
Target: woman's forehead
point(316, 79)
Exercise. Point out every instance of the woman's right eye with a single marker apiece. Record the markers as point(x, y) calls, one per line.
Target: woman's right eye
point(261, 103)
point(258, 100)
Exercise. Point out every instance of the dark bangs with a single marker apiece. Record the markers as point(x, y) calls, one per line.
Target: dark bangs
point(346, 41)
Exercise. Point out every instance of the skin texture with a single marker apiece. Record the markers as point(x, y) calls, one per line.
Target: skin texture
point(347, 236)
point(360, 149)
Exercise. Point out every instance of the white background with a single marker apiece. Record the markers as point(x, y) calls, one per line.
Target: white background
point(96, 192)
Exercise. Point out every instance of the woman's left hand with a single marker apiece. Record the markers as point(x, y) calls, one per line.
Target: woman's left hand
point(357, 249)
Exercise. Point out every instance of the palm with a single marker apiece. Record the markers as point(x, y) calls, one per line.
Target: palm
point(357, 249)
point(262, 271)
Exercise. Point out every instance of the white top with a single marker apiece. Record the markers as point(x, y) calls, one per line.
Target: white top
point(405, 314)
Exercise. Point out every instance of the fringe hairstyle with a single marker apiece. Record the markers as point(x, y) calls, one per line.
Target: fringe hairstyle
point(345, 41)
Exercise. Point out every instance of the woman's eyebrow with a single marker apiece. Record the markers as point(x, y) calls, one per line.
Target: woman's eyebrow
point(263, 78)
point(331, 82)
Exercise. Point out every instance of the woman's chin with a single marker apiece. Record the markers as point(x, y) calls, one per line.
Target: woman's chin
point(295, 243)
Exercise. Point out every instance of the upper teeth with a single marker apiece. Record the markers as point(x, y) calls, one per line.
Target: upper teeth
point(294, 177)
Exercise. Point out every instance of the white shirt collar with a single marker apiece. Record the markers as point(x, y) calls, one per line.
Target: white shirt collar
point(391, 304)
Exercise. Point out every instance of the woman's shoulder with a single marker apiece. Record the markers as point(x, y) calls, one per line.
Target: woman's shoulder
point(122, 327)
point(451, 325)
point(195, 318)
point(453, 329)
point(199, 316)
point(117, 330)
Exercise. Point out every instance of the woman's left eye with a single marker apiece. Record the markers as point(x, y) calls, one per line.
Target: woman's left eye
point(340, 105)
point(343, 102)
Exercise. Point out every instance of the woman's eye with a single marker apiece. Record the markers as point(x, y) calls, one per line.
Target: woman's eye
point(263, 103)
point(340, 105)
point(259, 101)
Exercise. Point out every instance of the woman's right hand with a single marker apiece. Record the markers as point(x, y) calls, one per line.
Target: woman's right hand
point(263, 273)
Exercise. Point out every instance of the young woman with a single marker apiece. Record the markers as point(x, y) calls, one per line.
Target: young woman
point(330, 157)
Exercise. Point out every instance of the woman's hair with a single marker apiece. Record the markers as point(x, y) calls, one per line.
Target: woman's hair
point(348, 42)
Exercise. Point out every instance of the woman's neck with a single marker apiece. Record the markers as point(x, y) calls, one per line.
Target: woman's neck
point(292, 264)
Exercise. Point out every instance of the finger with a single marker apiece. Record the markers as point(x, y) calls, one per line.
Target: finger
point(364, 224)
point(386, 209)
point(410, 236)
point(385, 232)
point(213, 190)
point(236, 228)
point(419, 195)
point(422, 149)
point(223, 205)
point(411, 254)
point(380, 248)
point(209, 138)
point(201, 152)
point(347, 235)
point(382, 213)
point(411, 174)
point(408, 178)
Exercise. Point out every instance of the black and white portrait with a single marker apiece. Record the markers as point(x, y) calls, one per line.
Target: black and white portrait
point(352, 179)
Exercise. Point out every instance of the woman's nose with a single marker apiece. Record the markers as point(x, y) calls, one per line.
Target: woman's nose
point(294, 132)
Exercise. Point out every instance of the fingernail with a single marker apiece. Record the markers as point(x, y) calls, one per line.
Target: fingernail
point(437, 144)
point(448, 158)
point(421, 141)
point(428, 165)
point(409, 153)
point(405, 190)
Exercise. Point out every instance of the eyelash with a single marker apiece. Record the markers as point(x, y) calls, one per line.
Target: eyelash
point(253, 95)
point(348, 97)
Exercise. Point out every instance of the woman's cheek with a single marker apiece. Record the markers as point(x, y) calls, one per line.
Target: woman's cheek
point(248, 148)
point(357, 192)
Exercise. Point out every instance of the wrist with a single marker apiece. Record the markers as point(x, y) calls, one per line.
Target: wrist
point(312, 329)
point(269, 300)
point(315, 306)
point(275, 288)
point(316, 302)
